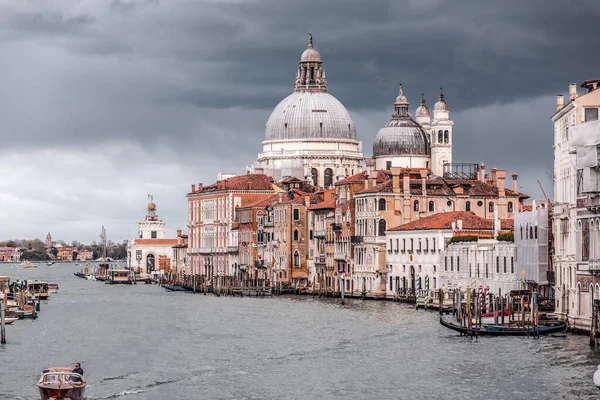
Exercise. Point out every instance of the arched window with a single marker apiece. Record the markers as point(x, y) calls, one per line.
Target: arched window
point(296, 259)
point(440, 137)
point(446, 137)
point(382, 227)
point(510, 206)
point(381, 204)
point(328, 177)
point(416, 206)
point(295, 234)
point(491, 207)
point(431, 206)
point(315, 176)
point(468, 206)
point(150, 263)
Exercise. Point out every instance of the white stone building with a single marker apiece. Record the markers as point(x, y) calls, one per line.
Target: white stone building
point(488, 263)
point(573, 279)
point(150, 253)
point(418, 250)
point(532, 241)
point(310, 134)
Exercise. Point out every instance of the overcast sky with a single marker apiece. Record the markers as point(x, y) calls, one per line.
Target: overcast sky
point(103, 102)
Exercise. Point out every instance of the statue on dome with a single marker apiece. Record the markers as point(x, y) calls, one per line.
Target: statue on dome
point(310, 43)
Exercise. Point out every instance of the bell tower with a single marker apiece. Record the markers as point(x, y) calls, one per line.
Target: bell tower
point(441, 136)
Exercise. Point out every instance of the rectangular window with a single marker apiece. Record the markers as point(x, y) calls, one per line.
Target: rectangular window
point(391, 284)
point(591, 114)
point(504, 264)
point(512, 265)
point(497, 264)
point(388, 165)
point(296, 214)
point(451, 263)
point(457, 263)
point(433, 246)
point(446, 263)
point(153, 234)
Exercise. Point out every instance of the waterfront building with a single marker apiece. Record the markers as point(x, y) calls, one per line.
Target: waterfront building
point(291, 236)
point(85, 255)
point(320, 260)
point(533, 238)
point(573, 279)
point(487, 263)
point(151, 253)
point(424, 143)
point(64, 253)
point(414, 251)
point(10, 254)
point(213, 222)
point(180, 265)
point(256, 242)
point(310, 134)
point(344, 229)
point(402, 195)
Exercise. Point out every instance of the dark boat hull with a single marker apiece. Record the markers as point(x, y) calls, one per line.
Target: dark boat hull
point(76, 393)
point(490, 330)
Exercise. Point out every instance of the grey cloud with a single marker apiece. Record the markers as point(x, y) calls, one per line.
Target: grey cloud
point(164, 94)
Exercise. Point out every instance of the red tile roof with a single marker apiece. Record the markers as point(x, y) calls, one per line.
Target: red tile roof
point(360, 177)
point(444, 220)
point(242, 182)
point(324, 205)
point(262, 203)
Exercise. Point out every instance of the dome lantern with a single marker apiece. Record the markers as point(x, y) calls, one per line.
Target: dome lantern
point(310, 75)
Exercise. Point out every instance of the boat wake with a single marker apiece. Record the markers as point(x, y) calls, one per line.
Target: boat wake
point(130, 391)
point(114, 378)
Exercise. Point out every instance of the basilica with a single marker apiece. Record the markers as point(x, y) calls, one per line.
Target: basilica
point(311, 136)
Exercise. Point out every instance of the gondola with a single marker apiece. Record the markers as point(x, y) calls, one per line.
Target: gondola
point(496, 330)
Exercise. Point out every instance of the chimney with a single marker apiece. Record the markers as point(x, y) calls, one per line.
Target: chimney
point(459, 224)
point(572, 91)
point(247, 172)
point(307, 200)
point(423, 173)
point(494, 176)
point(560, 101)
point(178, 233)
point(193, 188)
point(200, 187)
point(482, 179)
point(515, 176)
point(501, 184)
point(367, 179)
point(371, 171)
point(396, 171)
point(406, 182)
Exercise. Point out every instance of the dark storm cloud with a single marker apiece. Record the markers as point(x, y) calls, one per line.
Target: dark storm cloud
point(189, 85)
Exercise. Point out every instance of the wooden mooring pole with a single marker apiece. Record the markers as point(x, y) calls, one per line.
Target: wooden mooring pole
point(2, 319)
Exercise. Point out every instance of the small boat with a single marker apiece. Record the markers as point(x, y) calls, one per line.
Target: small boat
point(9, 320)
point(175, 288)
point(39, 289)
point(29, 265)
point(53, 287)
point(61, 383)
point(50, 263)
point(119, 276)
point(503, 330)
point(77, 265)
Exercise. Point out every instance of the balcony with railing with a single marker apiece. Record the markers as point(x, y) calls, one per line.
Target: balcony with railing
point(593, 266)
point(319, 234)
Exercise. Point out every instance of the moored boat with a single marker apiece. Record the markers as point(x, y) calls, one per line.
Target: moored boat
point(504, 330)
point(61, 383)
point(10, 320)
point(53, 287)
point(39, 289)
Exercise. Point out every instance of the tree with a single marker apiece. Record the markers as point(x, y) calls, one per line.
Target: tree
point(75, 255)
point(54, 251)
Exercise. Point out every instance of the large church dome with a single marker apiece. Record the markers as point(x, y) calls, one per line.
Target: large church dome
point(310, 115)
point(402, 136)
point(310, 112)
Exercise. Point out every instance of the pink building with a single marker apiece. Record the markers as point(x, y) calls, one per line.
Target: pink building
point(10, 254)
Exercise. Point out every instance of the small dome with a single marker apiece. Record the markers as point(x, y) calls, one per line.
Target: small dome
point(151, 206)
point(310, 55)
point(423, 110)
point(401, 137)
point(441, 104)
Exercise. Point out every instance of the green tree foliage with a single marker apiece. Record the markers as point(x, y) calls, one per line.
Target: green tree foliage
point(506, 237)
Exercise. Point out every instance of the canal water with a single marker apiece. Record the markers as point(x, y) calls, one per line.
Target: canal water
point(140, 342)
